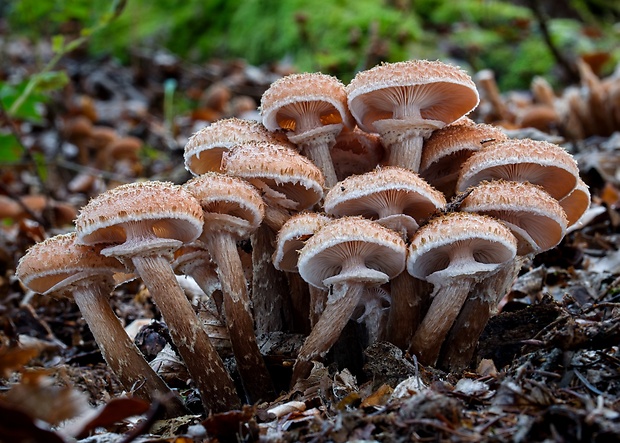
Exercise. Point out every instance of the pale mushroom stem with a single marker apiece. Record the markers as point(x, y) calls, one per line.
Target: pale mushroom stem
point(460, 344)
point(217, 390)
point(205, 282)
point(406, 150)
point(250, 364)
point(318, 150)
point(339, 308)
point(410, 300)
point(445, 307)
point(119, 352)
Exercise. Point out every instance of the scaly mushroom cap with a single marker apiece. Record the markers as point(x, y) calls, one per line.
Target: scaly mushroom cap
point(167, 211)
point(352, 249)
point(204, 149)
point(441, 92)
point(576, 203)
point(395, 197)
point(284, 171)
point(447, 149)
point(459, 244)
point(535, 218)
point(293, 236)
point(294, 98)
point(53, 265)
point(539, 162)
point(230, 204)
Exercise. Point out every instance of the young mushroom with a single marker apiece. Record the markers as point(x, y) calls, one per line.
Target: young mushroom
point(312, 108)
point(60, 268)
point(454, 252)
point(405, 102)
point(233, 209)
point(142, 224)
point(347, 256)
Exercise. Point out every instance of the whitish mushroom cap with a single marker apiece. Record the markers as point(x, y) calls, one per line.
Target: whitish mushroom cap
point(293, 236)
point(447, 148)
point(168, 212)
point(535, 218)
point(230, 204)
point(442, 92)
point(204, 149)
point(281, 169)
point(459, 244)
point(576, 203)
point(352, 249)
point(55, 264)
point(291, 96)
point(539, 162)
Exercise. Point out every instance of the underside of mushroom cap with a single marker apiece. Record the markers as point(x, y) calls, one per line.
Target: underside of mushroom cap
point(230, 204)
point(459, 244)
point(539, 162)
point(166, 210)
point(370, 253)
point(293, 236)
point(442, 92)
point(55, 264)
point(576, 203)
point(293, 94)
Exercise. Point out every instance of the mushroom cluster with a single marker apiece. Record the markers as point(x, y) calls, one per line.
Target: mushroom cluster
point(379, 202)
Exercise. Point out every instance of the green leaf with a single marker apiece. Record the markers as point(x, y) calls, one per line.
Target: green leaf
point(30, 109)
point(10, 149)
point(58, 42)
point(51, 81)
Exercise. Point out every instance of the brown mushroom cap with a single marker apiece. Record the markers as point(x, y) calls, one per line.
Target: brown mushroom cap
point(284, 171)
point(229, 204)
point(166, 210)
point(204, 149)
point(292, 99)
point(459, 244)
point(447, 149)
point(535, 218)
point(292, 237)
point(356, 152)
point(352, 249)
point(576, 203)
point(539, 162)
point(431, 90)
point(395, 197)
point(50, 267)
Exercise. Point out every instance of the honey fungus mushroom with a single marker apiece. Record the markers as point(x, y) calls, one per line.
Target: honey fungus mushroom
point(312, 109)
point(405, 102)
point(347, 255)
point(142, 224)
point(454, 252)
point(59, 267)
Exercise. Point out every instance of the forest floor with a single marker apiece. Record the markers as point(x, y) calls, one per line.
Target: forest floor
point(547, 367)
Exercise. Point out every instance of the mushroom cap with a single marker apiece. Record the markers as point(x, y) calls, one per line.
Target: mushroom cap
point(296, 94)
point(167, 210)
point(293, 236)
point(539, 162)
point(356, 152)
point(279, 168)
point(447, 149)
point(384, 192)
point(52, 266)
point(204, 149)
point(375, 253)
point(457, 245)
point(535, 218)
point(441, 91)
point(576, 203)
point(230, 204)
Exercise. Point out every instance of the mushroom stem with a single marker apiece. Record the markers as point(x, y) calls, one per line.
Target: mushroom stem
point(404, 140)
point(316, 145)
point(340, 306)
point(119, 352)
point(215, 385)
point(445, 307)
point(250, 364)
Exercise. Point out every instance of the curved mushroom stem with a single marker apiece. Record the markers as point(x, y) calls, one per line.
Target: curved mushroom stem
point(340, 305)
point(410, 300)
point(119, 352)
point(217, 390)
point(445, 307)
point(316, 144)
point(250, 364)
